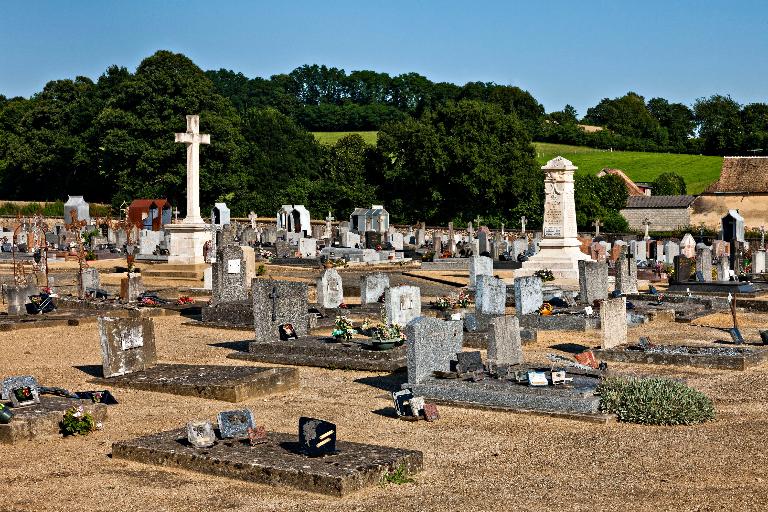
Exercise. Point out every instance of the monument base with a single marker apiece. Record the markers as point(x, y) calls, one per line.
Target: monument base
point(187, 240)
point(561, 258)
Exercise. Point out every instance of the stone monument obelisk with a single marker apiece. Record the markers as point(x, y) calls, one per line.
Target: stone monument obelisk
point(560, 249)
point(189, 235)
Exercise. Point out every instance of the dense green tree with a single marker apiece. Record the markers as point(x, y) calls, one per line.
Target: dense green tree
point(669, 184)
point(600, 198)
point(627, 116)
point(719, 122)
point(461, 160)
point(754, 119)
point(676, 118)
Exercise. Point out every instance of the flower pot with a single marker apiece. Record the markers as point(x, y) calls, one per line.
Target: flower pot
point(6, 415)
point(384, 344)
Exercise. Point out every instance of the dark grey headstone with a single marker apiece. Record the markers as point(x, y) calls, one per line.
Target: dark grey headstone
point(432, 345)
point(276, 303)
point(504, 343)
point(593, 281)
point(528, 295)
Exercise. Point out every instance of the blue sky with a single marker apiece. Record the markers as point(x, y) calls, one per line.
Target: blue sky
point(576, 51)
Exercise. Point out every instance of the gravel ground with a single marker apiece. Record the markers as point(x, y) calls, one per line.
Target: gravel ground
point(474, 460)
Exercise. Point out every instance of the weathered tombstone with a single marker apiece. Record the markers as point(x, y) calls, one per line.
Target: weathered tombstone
point(308, 247)
point(432, 345)
point(420, 237)
point(626, 273)
point(613, 322)
point(17, 297)
point(233, 272)
point(528, 295)
point(593, 281)
point(330, 293)
point(402, 304)
point(284, 249)
point(723, 269)
point(372, 287)
point(127, 345)
point(704, 263)
point(350, 239)
point(479, 265)
point(372, 240)
point(684, 268)
point(21, 390)
point(640, 250)
point(504, 345)
point(482, 238)
point(490, 296)
point(131, 287)
point(276, 303)
point(671, 249)
point(519, 246)
point(758, 262)
point(396, 239)
point(91, 279)
point(688, 246)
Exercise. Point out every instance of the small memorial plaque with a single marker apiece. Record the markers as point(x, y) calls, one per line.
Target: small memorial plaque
point(317, 437)
point(402, 400)
point(257, 435)
point(469, 362)
point(235, 424)
point(21, 391)
point(287, 332)
point(430, 412)
point(233, 266)
point(537, 379)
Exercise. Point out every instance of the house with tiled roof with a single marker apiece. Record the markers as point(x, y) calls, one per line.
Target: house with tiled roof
point(743, 186)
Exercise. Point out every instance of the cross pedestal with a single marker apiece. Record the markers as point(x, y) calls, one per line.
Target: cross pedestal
point(189, 236)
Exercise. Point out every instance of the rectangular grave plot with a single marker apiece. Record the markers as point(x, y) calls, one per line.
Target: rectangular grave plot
point(226, 383)
point(747, 358)
point(41, 420)
point(276, 462)
point(316, 351)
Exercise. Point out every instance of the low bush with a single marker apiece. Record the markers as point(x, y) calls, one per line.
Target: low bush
point(654, 401)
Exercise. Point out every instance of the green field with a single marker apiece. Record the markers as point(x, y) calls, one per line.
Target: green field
point(697, 171)
point(330, 138)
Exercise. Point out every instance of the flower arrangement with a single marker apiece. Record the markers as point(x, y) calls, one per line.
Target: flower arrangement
point(344, 330)
point(452, 302)
point(148, 301)
point(184, 300)
point(384, 332)
point(78, 422)
point(545, 275)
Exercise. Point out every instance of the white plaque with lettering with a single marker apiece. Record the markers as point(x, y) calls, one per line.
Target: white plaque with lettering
point(233, 266)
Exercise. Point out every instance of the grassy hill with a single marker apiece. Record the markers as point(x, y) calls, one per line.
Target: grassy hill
point(330, 138)
point(698, 171)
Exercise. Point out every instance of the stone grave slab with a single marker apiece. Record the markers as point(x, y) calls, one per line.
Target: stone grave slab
point(42, 419)
point(218, 382)
point(319, 351)
point(276, 462)
point(717, 357)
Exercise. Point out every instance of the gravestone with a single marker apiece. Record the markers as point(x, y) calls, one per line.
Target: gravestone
point(723, 269)
point(671, 249)
point(593, 281)
point(626, 273)
point(372, 240)
point(308, 247)
point(479, 265)
point(233, 272)
point(684, 268)
point(613, 322)
point(640, 250)
point(396, 239)
point(208, 278)
point(688, 246)
point(91, 279)
point(402, 304)
point(131, 287)
point(276, 303)
point(482, 239)
point(519, 246)
point(330, 293)
point(350, 239)
point(284, 249)
point(758, 262)
point(598, 252)
point(420, 237)
point(372, 287)
point(504, 345)
point(432, 345)
point(704, 263)
point(528, 295)
point(17, 297)
point(490, 296)
point(149, 240)
point(127, 345)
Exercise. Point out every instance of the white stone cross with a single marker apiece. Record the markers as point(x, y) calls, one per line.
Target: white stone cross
point(176, 215)
point(523, 220)
point(193, 138)
point(252, 218)
point(597, 225)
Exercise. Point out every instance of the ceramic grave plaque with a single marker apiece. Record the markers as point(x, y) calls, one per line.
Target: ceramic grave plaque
point(200, 434)
point(21, 390)
point(317, 437)
point(235, 424)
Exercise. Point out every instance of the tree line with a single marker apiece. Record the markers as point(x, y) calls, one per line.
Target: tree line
point(444, 153)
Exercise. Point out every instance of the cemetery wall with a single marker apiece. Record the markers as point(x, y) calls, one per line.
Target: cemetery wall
point(662, 219)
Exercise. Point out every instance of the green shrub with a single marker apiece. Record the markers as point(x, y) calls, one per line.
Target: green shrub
point(261, 270)
point(32, 209)
point(9, 209)
point(54, 209)
point(654, 401)
point(77, 422)
point(398, 477)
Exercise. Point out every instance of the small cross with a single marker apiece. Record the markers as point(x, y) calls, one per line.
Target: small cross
point(176, 215)
point(477, 220)
point(597, 225)
point(274, 296)
point(252, 218)
point(523, 220)
point(329, 218)
point(647, 224)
